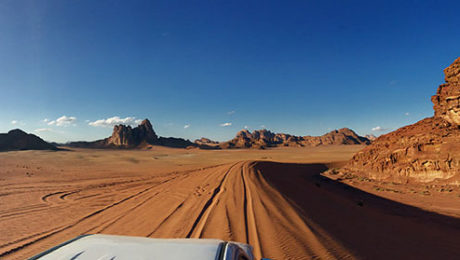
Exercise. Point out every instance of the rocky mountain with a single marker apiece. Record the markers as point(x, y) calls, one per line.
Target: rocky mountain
point(19, 140)
point(127, 137)
point(142, 136)
point(265, 138)
point(205, 141)
point(425, 151)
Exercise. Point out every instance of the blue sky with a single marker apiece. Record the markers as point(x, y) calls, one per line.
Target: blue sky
point(300, 67)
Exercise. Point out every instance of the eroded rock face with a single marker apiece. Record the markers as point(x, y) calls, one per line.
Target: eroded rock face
point(144, 132)
point(426, 151)
point(121, 136)
point(447, 99)
point(422, 152)
point(125, 136)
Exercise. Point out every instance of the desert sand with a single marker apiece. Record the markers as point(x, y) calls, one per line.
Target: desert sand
point(277, 200)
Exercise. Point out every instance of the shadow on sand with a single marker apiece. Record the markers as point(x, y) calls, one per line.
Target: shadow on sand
point(368, 226)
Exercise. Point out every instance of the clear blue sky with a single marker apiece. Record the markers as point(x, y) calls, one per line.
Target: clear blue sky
point(300, 67)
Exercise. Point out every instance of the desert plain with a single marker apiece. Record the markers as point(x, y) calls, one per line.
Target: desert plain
point(285, 202)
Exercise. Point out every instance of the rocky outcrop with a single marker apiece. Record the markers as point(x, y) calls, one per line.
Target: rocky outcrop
point(141, 137)
point(426, 151)
point(127, 137)
point(19, 140)
point(446, 102)
point(265, 138)
point(205, 141)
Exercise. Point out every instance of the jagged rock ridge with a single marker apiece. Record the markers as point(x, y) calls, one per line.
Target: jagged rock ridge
point(143, 136)
point(265, 138)
point(127, 137)
point(426, 151)
point(19, 140)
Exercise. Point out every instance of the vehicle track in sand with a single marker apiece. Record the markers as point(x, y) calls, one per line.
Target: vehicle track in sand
point(200, 222)
point(283, 210)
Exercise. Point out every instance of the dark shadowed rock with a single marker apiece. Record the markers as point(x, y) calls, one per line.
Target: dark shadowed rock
point(19, 140)
point(145, 132)
point(122, 136)
point(127, 137)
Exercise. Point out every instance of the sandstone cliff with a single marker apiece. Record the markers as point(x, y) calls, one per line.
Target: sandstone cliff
point(447, 99)
point(425, 151)
point(127, 137)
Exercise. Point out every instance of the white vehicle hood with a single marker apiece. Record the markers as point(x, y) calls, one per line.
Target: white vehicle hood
point(109, 247)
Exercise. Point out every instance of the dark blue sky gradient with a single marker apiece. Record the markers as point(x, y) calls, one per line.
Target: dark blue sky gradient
point(302, 67)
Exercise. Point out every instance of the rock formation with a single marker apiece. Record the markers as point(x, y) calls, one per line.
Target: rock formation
point(127, 137)
point(19, 140)
point(142, 136)
point(447, 99)
point(425, 151)
point(265, 138)
point(205, 141)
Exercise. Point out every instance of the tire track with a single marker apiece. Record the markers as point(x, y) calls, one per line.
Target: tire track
point(122, 215)
point(24, 210)
point(63, 197)
point(47, 196)
point(25, 242)
point(166, 219)
point(12, 250)
point(200, 221)
point(252, 235)
point(229, 201)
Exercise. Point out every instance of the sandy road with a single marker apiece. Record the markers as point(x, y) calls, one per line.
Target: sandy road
point(285, 211)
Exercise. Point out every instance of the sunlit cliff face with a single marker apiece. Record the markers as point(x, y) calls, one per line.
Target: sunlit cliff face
point(447, 99)
point(453, 109)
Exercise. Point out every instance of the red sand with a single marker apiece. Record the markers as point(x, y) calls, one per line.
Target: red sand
point(284, 210)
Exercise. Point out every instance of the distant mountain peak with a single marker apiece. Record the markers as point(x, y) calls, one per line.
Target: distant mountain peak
point(146, 123)
point(17, 139)
point(265, 138)
point(17, 132)
point(125, 136)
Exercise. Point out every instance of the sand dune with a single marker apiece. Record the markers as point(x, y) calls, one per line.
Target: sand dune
point(284, 210)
